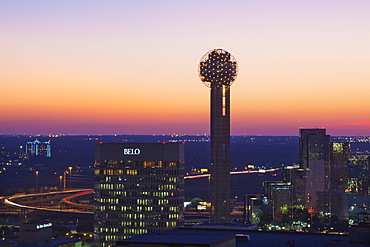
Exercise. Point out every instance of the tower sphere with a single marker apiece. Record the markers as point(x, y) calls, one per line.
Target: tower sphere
point(218, 67)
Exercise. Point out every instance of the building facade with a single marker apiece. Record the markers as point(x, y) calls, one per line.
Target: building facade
point(38, 148)
point(339, 160)
point(325, 166)
point(314, 157)
point(33, 233)
point(359, 175)
point(280, 194)
point(139, 188)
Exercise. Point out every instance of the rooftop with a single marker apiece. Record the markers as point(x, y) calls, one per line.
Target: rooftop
point(187, 236)
point(180, 236)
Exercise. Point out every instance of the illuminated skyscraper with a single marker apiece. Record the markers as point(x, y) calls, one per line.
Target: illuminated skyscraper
point(139, 188)
point(325, 166)
point(280, 194)
point(338, 203)
point(339, 160)
point(218, 70)
point(359, 175)
point(314, 157)
point(37, 148)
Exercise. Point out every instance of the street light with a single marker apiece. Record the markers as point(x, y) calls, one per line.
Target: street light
point(60, 182)
point(70, 177)
point(37, 181)
point(65, 182)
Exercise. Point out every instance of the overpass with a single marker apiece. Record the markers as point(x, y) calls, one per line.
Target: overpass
point(37, 201)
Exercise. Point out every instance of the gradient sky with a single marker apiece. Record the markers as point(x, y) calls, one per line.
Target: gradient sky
point(130, 67)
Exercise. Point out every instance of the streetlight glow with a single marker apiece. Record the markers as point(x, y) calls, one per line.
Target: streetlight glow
point(37, 180)
point(70, 177)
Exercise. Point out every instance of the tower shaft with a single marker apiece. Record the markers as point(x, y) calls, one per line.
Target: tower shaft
point(220, 152)
point(218, 70)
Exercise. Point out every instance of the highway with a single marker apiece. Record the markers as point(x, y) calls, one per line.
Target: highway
point(232, 173)
point(66, 198)
point(58, 194)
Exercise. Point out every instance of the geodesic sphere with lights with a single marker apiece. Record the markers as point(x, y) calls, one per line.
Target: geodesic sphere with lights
point(218, 67)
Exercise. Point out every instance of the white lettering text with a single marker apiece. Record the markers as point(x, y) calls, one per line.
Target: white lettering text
point(131, 151)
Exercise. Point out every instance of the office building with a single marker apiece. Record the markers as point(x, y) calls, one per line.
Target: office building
point(297, 179)
point(314, 157)
point(218, 70)
point(338, 198)
point(40, 234)
point(38, 148)
point(280, 194)
point(251, 208)
point(339, 159)
point(139, 188)
point(326, 171)
point(35, 233)
point(359, 175)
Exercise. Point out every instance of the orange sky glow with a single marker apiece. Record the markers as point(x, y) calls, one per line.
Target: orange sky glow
point(127, 67)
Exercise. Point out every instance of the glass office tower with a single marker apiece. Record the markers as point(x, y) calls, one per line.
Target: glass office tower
point(139, 188)
point(314, 157)
point(359, 175)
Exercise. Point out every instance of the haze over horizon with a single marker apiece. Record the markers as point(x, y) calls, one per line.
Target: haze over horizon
point(123, 67)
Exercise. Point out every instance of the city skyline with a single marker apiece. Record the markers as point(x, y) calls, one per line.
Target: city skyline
point(131, 68)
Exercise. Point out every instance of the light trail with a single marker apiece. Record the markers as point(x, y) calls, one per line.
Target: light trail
point(10, 203)
point(67, 199)
point(232, 173)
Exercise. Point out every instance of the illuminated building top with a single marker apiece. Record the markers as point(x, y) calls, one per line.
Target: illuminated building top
point(38, 148)
point(218, 66)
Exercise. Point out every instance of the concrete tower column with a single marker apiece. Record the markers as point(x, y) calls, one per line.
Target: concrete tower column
point(220, 153)
point(218, 70)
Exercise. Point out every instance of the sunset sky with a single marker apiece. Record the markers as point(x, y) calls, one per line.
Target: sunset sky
point(130, 67)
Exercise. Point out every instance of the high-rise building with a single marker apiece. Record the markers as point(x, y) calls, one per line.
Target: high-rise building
point(297, 179)
point(251, 208)
point(326, 170)
point(139, 188)
point(338, 203)
point(38, 148)
point(218, 70)
point(359, 175)
point(314, 157)
point(339, 159)
point(280, 194)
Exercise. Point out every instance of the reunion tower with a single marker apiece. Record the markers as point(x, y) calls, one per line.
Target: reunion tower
point(218, 70)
